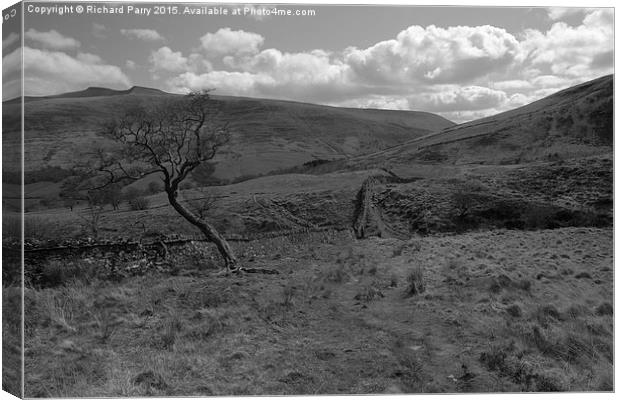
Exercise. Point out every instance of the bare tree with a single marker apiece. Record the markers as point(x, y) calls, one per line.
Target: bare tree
point(92, 214)
point(204, 203)
point(171, 140)
point(111, 195)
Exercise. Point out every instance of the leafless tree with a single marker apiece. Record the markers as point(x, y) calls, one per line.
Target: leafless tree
point(170, 139)
point(204, 203)
point(92, 214)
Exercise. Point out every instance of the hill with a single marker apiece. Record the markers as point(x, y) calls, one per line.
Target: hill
point(574, 122)
point(267, 134)
point(92, 91)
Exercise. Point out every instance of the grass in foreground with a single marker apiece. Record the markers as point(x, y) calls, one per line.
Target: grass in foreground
point(491, 311)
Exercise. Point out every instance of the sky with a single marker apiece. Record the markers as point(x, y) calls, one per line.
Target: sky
point(463, 63)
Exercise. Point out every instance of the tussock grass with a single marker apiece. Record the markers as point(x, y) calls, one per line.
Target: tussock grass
point(415, 282)
point(304, 332)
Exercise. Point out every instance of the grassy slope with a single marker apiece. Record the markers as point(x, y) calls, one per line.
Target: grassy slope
point(268, 134)
point(572, 193)
point(574, 122)
point(530, 315)
point(502, 310)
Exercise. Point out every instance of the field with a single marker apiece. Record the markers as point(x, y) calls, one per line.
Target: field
point(453, 313)
point(405, 270)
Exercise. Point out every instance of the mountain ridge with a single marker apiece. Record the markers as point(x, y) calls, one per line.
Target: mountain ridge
point(97, 91)
point(91, 91)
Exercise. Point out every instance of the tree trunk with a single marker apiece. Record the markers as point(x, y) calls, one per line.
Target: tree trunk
point(230, 261)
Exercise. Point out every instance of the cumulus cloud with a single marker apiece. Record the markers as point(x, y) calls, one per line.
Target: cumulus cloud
point(459, 72)
point(572, 51)
point(435, 55)
point(165, 59)
point(50, 72)
point(51, 39)
point(228, 42)
point(311, 76)
point(149, 35)
point(231, 83)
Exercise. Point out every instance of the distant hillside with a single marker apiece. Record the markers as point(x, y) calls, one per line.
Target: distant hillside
point(267, 134)
point(92, 92)
point(574, 122)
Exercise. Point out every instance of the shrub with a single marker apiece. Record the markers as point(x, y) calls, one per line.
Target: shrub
point(415, 282)
point(368, 293)
point(514, 310)
point(574, 311)
point(546, 314)
point(139, 203)
point(154, 187)
point(605, 309)
point(57, 272)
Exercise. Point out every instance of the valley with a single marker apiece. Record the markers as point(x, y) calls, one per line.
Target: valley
point(401, 254)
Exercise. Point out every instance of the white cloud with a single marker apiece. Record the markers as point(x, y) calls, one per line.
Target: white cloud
point(231, 83)
point(11, 69)
point(51, 39)
point(89, 58)
point(373, 101)
point(165, 59)
point(51, 72)
point(464, 115)
point(513, 84)
point(311, 76)
point(435, 55)
point(519, 99)
point(11, 39)
point(149, 35)
point(458, 71)
point(566, 51)
point(557, 13)
point(228, 42)
point(458, 98)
